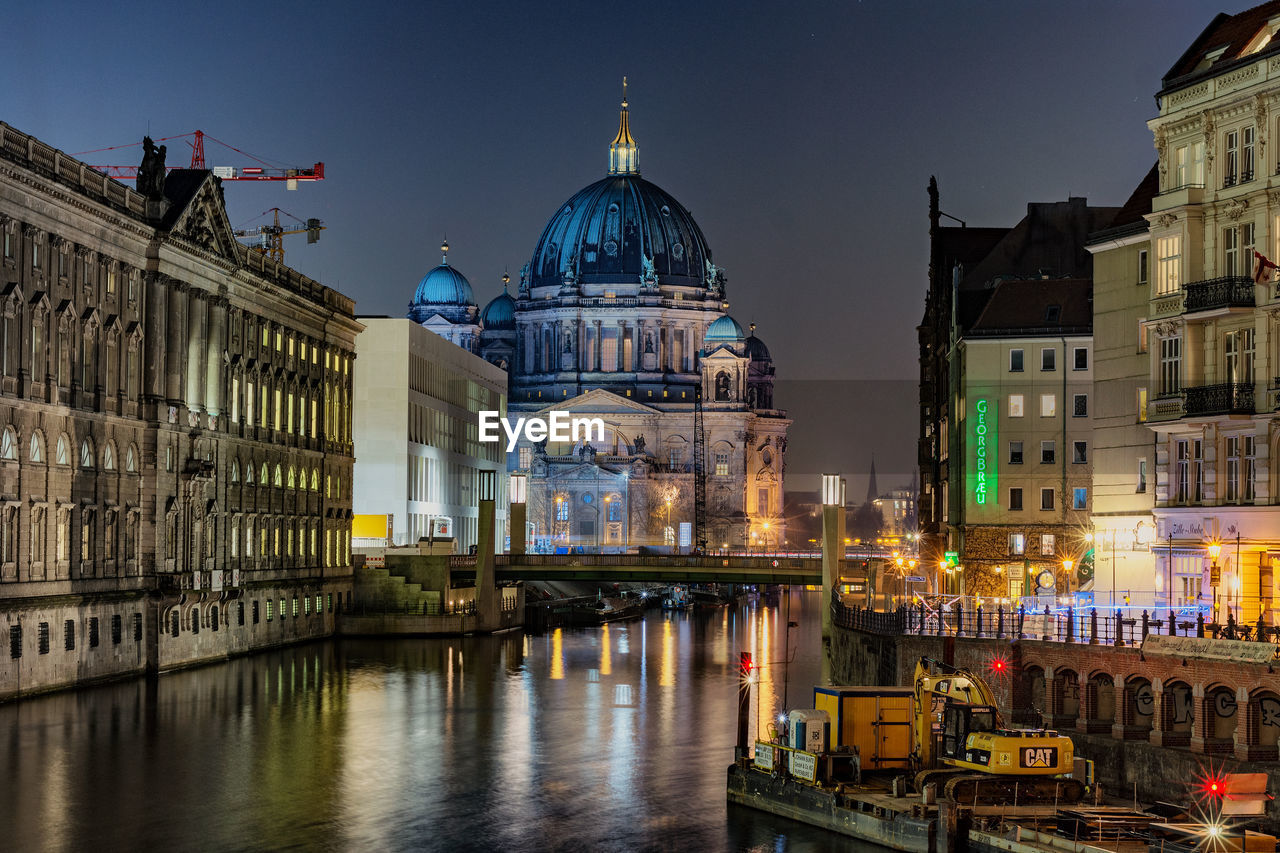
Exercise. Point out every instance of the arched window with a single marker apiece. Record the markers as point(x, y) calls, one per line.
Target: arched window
point(9, 444)
point(279, 480)
point(248, 472)
point(264, 475)
point(292, 480)
point(62, 454)
point(131, 459)
point(315, 479)
point(86, 454)
point(109, 456)
point(36, 451)
point(235, 470)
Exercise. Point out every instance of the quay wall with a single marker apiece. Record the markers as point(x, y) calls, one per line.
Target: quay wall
point(1155, 718)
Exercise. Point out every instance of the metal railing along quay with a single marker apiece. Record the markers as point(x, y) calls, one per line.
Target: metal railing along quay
point(1063, 624)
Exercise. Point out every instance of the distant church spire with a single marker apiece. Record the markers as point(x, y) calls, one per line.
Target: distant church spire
point(622, 152)
point(873, 491)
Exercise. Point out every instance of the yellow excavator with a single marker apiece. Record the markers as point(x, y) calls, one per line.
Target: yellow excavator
point(962, 745)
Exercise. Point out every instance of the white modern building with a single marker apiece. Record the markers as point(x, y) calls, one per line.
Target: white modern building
point(418, 398)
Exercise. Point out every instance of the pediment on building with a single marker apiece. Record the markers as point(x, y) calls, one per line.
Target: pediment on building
point(722, 353)
point(202, 219)
point(601, 402)
point(587, 471)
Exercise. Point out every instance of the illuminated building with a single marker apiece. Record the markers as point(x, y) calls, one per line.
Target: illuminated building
point(417, 402)
point(175, 440)
point(621, 313)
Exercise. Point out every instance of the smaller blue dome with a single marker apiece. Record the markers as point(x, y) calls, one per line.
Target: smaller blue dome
point(725, 331)
point(499, 314)
point(443, 286)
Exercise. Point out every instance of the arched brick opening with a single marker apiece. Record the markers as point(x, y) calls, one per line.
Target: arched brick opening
point(1135, 709)
point(1258, 732)
point(1217, 714)
point(1029, 693)
point(1097, 703)
point(1174, 716)
point(1063, 700)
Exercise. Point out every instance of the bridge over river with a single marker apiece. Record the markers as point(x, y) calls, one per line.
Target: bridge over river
point(613, 568)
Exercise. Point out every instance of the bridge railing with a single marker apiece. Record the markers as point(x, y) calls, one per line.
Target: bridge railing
point(633, 560)
point(1063, 625)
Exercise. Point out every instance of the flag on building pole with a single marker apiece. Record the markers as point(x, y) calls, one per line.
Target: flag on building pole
point(1262, 268)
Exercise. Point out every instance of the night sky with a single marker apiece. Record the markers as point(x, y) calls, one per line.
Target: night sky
point(800, 136)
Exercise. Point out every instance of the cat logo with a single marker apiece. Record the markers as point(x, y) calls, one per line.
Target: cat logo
point(1040, 756)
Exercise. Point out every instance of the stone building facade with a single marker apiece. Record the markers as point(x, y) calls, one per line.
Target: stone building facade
point(175, 445)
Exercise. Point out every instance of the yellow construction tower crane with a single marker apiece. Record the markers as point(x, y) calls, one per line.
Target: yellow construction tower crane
point(269, 239)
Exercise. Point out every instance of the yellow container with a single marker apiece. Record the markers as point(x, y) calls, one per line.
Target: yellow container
point(875, 720)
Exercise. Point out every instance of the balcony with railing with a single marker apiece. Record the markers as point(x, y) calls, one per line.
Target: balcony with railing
point(1178, 196)
point(1227, 398)
point(1234, 291)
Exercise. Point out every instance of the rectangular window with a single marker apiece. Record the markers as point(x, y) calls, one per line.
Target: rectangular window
point(295, 606)
point(1015, 405)
point(1142, 405)
point(1142, 267)
point(722, 464)
point(69, 635)
point(1181, 164)
point(137, 627)
point(1238, 352)
point(269, 610)
point(1015, 361)
point(15, 641)
point(1017, 543)
point(1079, 497)
point(1080, 452)
point(1046, 453)
point(1048, 405)
point(1246, 154)
point(1046, 499)
point(1015, 498)
point(1168, 265)
point(1181, 470)
point(1015, 453)
point(1197, 470)
point(93, 632)
point(117, 629)
point(42, 638)
point(1047, 544)
point(1080, 406)
point(1048, 359)
point(1231, 447)
point(1142, 475)
point(1170, 366)
point(1080, 358)
point(1231, 160)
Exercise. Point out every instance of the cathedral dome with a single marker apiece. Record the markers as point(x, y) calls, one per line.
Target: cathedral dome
point(724, 330)
point(499, 314)
point(607, 232)
point(756, 350)
point(443, 285)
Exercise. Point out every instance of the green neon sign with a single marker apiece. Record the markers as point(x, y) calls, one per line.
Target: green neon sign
point(985, 450)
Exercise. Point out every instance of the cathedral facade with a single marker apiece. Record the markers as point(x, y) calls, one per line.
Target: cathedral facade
point(621, 314)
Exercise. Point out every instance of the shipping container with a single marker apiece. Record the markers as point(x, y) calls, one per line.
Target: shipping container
point(874, 720)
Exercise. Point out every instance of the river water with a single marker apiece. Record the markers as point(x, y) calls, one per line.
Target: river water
point(611, 738)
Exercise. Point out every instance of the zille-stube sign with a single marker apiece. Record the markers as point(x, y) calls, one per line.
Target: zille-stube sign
point(984, 444)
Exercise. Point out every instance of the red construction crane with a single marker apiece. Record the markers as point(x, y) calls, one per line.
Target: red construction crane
point(265, 171)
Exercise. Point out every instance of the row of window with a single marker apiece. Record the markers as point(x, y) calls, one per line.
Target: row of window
point(209, 616)
point(1238, 243)
point(1049, 497)
point(88, 458)
point(1046, 547)
point(1239, 356)
point(1239, 469)
point(292, 411)
point(69, 634)
point(94, 544)
point(1049, 359)
point(1016, 407)
point(108, 271)
point(1048, 452)
point(1239, 160)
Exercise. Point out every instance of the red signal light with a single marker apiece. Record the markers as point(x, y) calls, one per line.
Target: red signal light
point(1213, 785)
point(999, 665)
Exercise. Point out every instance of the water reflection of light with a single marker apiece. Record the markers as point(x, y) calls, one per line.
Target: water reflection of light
point(667, 668)
point(557, 653)
point(606, 654)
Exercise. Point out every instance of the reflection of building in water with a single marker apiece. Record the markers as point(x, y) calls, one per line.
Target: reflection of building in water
point(417, 402)
point(621, 313)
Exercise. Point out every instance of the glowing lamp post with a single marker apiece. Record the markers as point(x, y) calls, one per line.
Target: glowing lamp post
point(1215, 574)
point(1067, 565)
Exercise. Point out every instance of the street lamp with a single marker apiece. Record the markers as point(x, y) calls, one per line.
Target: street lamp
point(1215, 575)
point(1066, 567)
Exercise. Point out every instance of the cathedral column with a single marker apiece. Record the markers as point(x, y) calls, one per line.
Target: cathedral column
point(213, 360)
point(197, 326)
point(622, 346)
point(599, 358)
point(638, 348)
point(176, 340)
point(157, 312)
